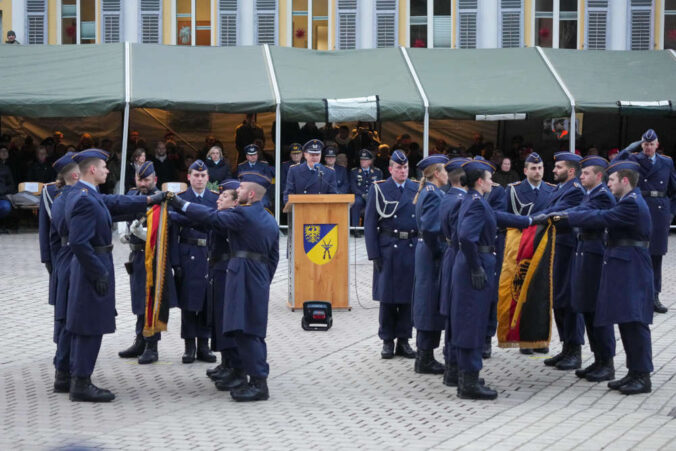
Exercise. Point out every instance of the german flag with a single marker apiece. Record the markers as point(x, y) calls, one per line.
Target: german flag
point(525, 291)
point(157, 270)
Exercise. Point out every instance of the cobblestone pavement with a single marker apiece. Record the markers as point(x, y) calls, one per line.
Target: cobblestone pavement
point(328, 389)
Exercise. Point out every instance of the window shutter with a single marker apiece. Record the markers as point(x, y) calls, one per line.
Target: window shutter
point(597, 24)
point(150, 26)
point(467, 12)
point(510, 23)
point(36, 21)
point(386, 23)
point(347, 24)
point(266, 22)
point(641, 25)
point(442, 31)
point(110, 19)
point(228, 22)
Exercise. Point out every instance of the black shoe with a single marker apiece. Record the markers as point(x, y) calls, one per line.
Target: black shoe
point(135, 350)
point(552, 361)
point(640, 383)
point(486, 352)
point(470, 388)
point(544, 350)
point(582, 373)
point(217, 369)
point(526, 351)
point(615, 385)
point(221, 375)
point(237, 378)
point(256, 390)
point(61, 382)
point(604, 371)
point(426, 364)
point(388, 349)
point(658, 306)
point(150, 355)
point(572, 360)
point(190, 349)
point(204, 354)
point(451, 375)
point(404, 349)
point(82, 390)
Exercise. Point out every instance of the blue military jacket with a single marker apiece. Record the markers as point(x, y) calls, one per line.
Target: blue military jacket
point(626, 290)
point(250, 229)
point(342, 179)
point(361, 180)
point(261, 167)
point(50, 243)
point(522, 199)
point(448, 214)
point(63, 256)
point(394, 283)
point(303, 180)
point(566, 195)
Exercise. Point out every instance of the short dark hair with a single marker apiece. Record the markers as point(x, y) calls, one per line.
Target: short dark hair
point(632, 176)
point(455, 176)
point(86, 163)
point(471, 177)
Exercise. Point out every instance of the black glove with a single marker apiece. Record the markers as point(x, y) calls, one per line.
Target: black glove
point(479, 278)
point(177, 203)
point(48, 265)
point(558, 216)
point(157, 198)
point(540, 218)
point(101, 286)
point(378, 264)
point(178, 272)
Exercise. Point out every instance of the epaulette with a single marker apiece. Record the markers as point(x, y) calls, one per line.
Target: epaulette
point(665, 156)
point(213, 191)
point(184, 191)
point(495, 184)
point(243, 162)
point(355, 169)
point(294, 165)
point(516, 183)
point(380, 181)
point(329, 168)
point(551, 184)
point(632, 195)
point(84, 190)
point(429, 188)
point(475, 197)
point(577, 185)
point(50, 183)
point(264, 162)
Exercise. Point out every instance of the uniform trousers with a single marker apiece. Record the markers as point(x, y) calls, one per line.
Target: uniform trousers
point(601, 339)
point(194, 325)
point(84, 349)
point(253, 353)
point(63, 339)
point(570, 325)
point(140, 321)
point(637, 346)
point(469, 359)
point(450, 351)
point(356, 210)
point(427, 340)
point(395, 321)
point(657, 272)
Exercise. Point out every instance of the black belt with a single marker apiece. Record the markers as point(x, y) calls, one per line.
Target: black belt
point(589, 236)
point(400, 234)
point(631, 243)
point(201, 242)
point(221, 258)
point(482, 249)
point(137, 247)
point(64, 241)
point(255, 256)
point(103, 249)
point(653, 193)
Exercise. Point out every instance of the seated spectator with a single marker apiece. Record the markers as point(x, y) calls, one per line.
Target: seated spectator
point(342, 139)
point(137, 159)
point(341, 160)
point(40, 170)
point(218, 168)
point(382, 160)
point(165, 167)
point(7, 182)
point(505, 174)
point(497, 158)
point(440, 147)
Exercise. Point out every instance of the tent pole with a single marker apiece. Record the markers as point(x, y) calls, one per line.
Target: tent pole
point(426, 103)
point(125, 124)
point(278, 131)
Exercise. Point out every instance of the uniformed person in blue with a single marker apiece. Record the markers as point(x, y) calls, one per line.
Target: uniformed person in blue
point(91, 292)
point(586, 272)
point(448, 214)
point(658, 187)
point(391, 235)
point(189, 255)
point(342, 179)
point(295, 157)
point(529, 197)
point(361, 179)
point(253, 164)
point(473, 277)
point(626, 291)
point(570, 325)
point(254, 254)
point(310, 177)
point(145, 348)
point(428, 253)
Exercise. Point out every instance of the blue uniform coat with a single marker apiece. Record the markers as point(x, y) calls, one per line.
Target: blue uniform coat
point(522, 199)
point(49, 241)
point(448, 213)
point(302, 180)
point(342, 179)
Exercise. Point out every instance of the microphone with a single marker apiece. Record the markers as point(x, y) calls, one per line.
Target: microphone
point(321, 176)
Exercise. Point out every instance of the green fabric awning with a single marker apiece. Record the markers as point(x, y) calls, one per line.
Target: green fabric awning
point(460, 84)
point(61, 81)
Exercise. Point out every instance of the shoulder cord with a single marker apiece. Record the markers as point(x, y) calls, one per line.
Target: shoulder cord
point(515, 200)
point(48, 201)
point(380, 196)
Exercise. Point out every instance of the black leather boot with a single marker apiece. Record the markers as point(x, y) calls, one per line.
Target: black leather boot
point(256, 390)
point(526, 351)
point(237, 378)
point(451, 375)
point(426, 364)
point(388, 350)
point(615, 385)
point(61, 382)
point(404, 349)
point(204, 354)
point(572, 360)
point(658, 306)
point(639, 383)
point(82, 390)
point(582, 373)
point(552, 361)
point(470, 388)
point(190, 349)
point(135, 350)
point(544, 350)
point(212, 372)
point(224, 373)
point(150, 355)
point(604, 371)
point(486, 353)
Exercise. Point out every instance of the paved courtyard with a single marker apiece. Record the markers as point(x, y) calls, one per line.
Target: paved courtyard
point(329, 390)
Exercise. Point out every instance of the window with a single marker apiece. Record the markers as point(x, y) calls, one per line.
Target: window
point(442, 23)
point(202, 22)
point(266, 22)
point(150, 22)
point(641, 25)
point(670, 24)
point(36, 21)
point(510, 23)
point(320, 24)
point(597, 25)
point(299, 19)
point(78, 26)
point(386, 23)
point(554, 28)
point(467, 26)
point(347, 24)
point(110, 20)
point(227, 20)
point(418, 23)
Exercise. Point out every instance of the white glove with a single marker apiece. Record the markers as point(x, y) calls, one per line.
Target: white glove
point(138, 230)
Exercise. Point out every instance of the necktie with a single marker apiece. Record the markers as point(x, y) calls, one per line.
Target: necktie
point(401, 190)
point(537, 191)
point(198, 200)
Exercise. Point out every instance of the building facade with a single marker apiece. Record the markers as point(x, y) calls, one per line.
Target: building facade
point(348, 24)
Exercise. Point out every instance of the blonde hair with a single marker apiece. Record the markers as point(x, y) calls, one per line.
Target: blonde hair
point(428, 174)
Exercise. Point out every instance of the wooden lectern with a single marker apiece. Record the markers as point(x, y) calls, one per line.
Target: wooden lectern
point(318, 249)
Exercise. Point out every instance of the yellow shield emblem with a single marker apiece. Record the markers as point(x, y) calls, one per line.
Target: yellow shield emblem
point(320, 242)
